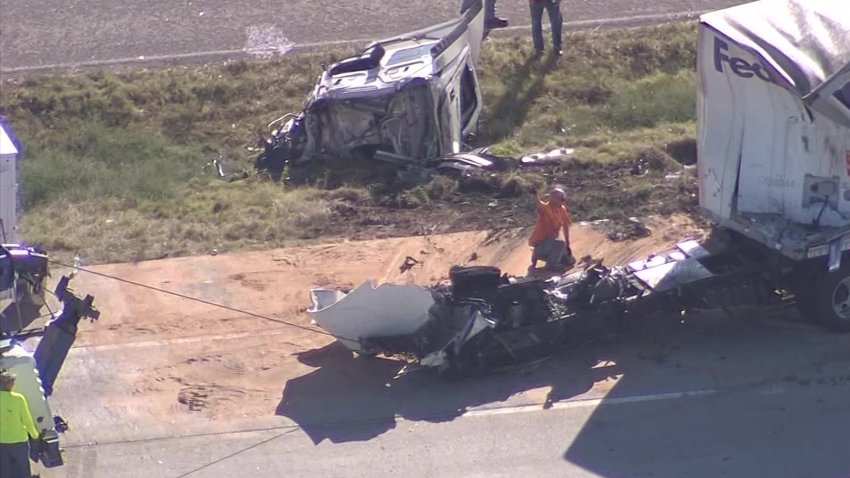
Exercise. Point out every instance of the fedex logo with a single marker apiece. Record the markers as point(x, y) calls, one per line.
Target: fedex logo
point(739, 66)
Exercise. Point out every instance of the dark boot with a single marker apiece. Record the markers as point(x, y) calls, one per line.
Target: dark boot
point(494, 23)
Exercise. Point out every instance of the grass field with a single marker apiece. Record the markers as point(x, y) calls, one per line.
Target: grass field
point(117, 162)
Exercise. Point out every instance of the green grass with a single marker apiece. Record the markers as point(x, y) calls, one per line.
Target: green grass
point(116, 163)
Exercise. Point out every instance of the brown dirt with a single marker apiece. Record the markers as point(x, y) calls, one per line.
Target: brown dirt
point(648, 183)
point(181, 357)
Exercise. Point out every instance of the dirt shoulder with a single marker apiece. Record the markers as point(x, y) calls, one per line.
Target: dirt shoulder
point(155, 358)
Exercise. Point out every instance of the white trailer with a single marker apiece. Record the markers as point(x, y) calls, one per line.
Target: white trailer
point(8, 188)
point(773, 107)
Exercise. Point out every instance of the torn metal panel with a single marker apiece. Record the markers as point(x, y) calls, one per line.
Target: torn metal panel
point(369, 311)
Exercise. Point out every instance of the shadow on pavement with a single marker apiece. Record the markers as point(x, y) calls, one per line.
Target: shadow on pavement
point(16, 317)
point(352, 399)
point(709, 396)
point(765, 401)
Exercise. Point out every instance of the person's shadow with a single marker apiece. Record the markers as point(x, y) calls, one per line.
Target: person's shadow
point(511, 109)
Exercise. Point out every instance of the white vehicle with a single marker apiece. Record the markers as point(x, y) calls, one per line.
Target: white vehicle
point(9, 167)
point(406, 100)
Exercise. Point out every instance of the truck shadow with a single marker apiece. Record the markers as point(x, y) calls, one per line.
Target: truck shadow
point(353, 399)
point(653, 394)
point(722, 396)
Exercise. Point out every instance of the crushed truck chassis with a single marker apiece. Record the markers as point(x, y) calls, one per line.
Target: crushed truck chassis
point(483, 319)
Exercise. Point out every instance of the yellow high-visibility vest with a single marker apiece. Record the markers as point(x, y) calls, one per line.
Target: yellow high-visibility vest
point(15, 419)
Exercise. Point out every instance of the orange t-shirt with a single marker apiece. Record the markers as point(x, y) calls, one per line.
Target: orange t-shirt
point(550, 220)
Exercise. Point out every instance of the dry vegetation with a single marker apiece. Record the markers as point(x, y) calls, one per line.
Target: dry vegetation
point(117, 162)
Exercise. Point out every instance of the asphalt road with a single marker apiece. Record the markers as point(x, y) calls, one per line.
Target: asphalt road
point(714, 396)
point(797, 433)
point(38, 34)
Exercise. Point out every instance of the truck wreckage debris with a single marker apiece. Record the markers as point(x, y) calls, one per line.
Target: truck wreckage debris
point(780, 201)
point(483, 319)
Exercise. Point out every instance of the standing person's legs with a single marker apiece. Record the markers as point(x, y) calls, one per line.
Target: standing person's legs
point(557, 249)
point(15, 460)
point(537, 24)
point(5, 458)
point(490, 18)
point(556, 21)
point(551, 250)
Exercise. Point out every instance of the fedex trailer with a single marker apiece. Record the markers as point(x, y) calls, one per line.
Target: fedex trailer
point(773, 108)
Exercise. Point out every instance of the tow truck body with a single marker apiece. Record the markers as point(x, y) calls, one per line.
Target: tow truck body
point(26, 317)
point(23, 276)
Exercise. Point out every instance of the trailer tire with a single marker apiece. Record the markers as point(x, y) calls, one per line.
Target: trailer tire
point(827, 299)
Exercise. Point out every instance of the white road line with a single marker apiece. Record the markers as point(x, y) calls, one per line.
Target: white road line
point(241, 53)
point(587, 403)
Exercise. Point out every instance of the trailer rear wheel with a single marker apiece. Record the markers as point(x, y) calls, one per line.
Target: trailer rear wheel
point(828, 299)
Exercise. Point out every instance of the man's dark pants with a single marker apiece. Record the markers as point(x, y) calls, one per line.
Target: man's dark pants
point(551, 251)
point(489, 8)
point(15, 460)
point(553, 7)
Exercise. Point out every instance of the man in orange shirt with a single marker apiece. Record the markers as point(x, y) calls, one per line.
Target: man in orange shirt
point(552, 218)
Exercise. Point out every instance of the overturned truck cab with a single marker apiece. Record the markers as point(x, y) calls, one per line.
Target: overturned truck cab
point(405, 100)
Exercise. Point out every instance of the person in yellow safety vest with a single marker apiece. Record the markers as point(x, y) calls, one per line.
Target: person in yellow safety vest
point(16, 427)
